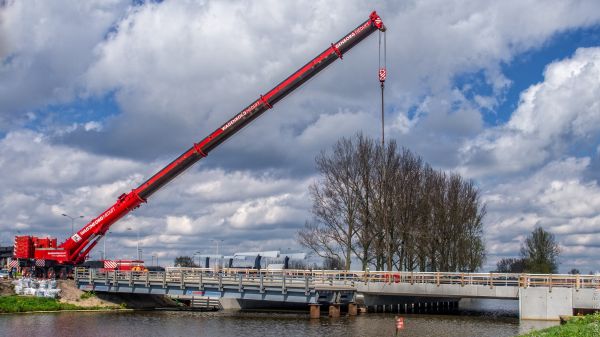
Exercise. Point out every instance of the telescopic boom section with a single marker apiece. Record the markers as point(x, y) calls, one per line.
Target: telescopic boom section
point(78, 245)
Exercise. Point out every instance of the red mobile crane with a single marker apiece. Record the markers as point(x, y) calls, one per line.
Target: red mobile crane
point(74, 250)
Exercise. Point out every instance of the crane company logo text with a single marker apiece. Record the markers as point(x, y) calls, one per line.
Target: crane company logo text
point(240, 115)
point(353, 34)
point(98, 219)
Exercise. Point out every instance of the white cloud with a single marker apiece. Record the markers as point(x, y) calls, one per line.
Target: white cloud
point(552, 115)
point(46, 46)
point(555, 197)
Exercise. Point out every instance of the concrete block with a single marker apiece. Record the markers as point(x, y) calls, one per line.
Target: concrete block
point(334, 310)
point(539, 303)
point(315, 310)
point(230, 303)
point(352, 309)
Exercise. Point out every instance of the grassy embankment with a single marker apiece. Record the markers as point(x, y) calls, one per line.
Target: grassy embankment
point(579, 326)
point(14, 304)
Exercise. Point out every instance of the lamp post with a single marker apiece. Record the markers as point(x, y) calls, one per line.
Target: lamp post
point(218, 241)
point(72, 220)
point(104, 250)
point(137, 243)
point(198, 254)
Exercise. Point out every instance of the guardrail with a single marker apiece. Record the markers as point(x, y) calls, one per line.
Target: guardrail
point(336, 277)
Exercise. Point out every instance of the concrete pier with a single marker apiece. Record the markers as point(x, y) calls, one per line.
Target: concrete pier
point(315, 311)
point(352, 309)
point(334, 310)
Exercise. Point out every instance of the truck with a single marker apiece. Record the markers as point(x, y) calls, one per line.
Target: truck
point(44, 252)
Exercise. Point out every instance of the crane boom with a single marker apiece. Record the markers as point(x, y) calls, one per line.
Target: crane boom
point(75, 248)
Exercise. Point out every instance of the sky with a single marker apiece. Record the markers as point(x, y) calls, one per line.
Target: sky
point(96, 96)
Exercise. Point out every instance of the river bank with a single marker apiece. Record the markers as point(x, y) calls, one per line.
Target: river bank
point(71, 298)
point(578, 326)
point(19, 304)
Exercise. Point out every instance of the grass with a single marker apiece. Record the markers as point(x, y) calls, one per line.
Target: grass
point(87, 294)
point(14, 303)
point(579, 326)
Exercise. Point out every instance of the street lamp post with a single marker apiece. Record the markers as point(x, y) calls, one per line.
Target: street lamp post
point(198, 254)
point(137, 243)
point(104, 250)
point(218, 241)
point(72, 220)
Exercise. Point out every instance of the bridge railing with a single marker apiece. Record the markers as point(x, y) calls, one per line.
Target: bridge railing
point(337, 277)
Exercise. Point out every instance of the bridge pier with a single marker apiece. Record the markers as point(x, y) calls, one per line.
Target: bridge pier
point(315, 310)
point(334, 310)
point(352, 309)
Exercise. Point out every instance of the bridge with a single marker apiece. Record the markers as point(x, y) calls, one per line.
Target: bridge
point(235, 288)
point(540, 296)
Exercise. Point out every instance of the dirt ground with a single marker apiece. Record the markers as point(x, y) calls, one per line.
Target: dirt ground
point(71, 294)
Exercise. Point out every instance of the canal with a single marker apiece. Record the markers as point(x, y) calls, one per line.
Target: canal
point(467, 322)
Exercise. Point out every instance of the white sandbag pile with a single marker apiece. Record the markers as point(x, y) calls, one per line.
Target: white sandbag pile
point(33, 287)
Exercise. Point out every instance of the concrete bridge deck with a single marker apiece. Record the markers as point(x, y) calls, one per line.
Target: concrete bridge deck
point(540, 296)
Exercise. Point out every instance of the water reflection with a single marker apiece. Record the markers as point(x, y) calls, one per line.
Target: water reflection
point(471, 321)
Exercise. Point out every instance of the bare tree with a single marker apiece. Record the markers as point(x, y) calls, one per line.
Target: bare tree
point(335, 201)
point(386, 207)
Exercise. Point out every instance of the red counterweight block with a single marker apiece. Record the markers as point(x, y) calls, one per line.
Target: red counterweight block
point(23, 247)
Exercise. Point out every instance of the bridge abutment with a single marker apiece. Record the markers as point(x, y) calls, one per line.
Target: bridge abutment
point(544, 303)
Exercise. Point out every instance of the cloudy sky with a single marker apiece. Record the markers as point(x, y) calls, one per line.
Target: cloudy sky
point(96, 96)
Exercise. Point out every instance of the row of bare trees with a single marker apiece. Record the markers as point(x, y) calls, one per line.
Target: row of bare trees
point(383, 207)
